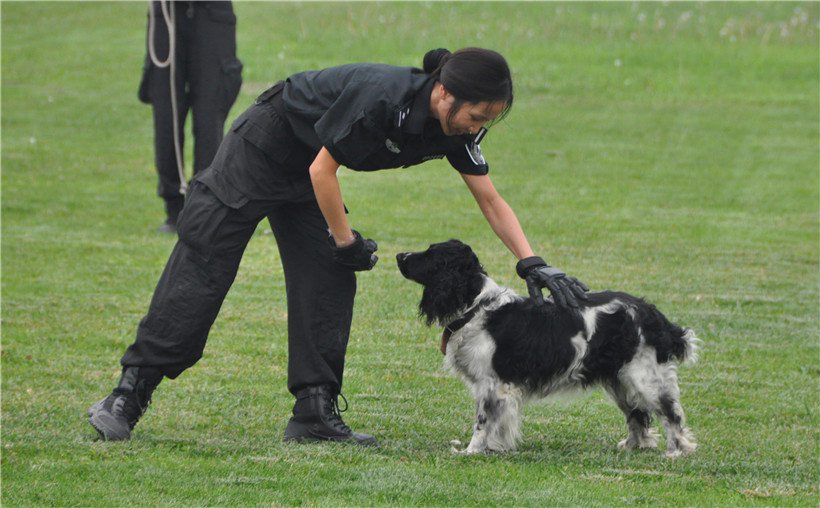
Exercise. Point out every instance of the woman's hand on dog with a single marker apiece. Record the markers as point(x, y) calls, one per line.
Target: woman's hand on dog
point(538, 274)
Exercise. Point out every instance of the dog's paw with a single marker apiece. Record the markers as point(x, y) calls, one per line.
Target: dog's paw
point(681, 452)
point(467, 451)
point(455, 443)
point(686, 448)
point(456, 448)
point(649, 439)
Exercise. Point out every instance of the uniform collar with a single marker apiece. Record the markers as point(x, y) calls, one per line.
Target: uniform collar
point(420, 109)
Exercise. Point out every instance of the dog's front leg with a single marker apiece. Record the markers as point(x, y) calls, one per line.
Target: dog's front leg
point(478, 443)
point(481, 428)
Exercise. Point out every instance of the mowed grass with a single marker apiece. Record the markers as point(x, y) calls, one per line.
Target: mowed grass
point(669, 150)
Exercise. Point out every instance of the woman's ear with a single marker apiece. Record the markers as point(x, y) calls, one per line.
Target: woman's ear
point(442, 94)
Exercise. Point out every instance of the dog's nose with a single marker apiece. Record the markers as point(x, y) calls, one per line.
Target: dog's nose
point(401, 256)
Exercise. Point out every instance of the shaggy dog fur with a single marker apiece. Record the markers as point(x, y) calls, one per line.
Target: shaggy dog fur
point(508, 350)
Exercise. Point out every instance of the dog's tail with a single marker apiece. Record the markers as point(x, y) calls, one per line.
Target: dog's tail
point(669, 340)
point(692, 350)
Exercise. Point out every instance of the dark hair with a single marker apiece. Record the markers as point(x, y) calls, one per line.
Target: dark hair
point(472, 75)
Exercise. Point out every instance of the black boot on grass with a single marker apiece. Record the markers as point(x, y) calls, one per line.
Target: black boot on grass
point(316, 418)
point(115, 416)
point(172, 208)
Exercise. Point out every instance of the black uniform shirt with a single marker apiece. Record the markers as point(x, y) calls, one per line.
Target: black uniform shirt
point(373, 116)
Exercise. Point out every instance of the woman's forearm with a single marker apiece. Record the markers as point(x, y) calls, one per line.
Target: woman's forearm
point(499, 215)
point(505, 224)
point(329, 197)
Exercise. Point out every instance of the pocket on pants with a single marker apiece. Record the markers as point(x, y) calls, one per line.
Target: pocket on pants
point(209, 226)
point(231, 80)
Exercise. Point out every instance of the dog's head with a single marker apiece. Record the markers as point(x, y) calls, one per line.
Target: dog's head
point(451, 275)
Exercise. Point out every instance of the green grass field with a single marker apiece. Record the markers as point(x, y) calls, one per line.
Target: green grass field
point(669, 150)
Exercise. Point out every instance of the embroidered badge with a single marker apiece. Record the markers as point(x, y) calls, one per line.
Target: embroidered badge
point(392, 146)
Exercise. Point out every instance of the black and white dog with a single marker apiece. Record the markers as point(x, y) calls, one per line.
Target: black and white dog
point(508, 350)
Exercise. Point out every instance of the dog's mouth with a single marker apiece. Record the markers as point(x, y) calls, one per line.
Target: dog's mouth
point(401, 260)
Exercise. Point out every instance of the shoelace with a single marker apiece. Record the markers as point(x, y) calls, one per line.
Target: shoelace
point(336, 412)
point(137, 404)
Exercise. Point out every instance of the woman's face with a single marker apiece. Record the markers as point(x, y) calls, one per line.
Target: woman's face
point(468, 119)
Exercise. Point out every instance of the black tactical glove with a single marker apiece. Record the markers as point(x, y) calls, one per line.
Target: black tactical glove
point(358, 255)
point(538, 274)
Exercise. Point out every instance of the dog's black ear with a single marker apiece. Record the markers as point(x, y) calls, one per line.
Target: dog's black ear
point(465, 258)
point(458, 281)
point(440, 298)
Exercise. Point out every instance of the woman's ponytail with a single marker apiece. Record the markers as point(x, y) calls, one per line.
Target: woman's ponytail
point(434, 59)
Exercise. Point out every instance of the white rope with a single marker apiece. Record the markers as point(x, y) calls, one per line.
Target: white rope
point(168, 17)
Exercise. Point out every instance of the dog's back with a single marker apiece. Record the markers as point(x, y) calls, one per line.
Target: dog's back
point(618, 324)
point(537, 344)
point(615, 340)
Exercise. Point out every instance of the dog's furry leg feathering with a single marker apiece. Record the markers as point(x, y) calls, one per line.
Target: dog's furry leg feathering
point(497, 425)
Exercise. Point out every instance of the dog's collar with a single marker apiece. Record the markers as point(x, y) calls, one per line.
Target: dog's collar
point(457, 325)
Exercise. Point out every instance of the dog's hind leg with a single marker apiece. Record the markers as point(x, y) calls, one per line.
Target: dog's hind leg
point(655, 386)
point(641, 435)
point(679, 439)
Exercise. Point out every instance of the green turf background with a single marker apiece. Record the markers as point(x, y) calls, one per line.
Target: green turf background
point(666, 149)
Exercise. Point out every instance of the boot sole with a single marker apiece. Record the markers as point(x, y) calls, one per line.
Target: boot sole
point(363, 442)
point(107, 426)
point(299, 433)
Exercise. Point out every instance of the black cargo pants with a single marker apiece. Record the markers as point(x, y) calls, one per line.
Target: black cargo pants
point(214, 228)
point(208, 77)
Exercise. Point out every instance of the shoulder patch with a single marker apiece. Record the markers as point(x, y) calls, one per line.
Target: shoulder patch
point(474, 151)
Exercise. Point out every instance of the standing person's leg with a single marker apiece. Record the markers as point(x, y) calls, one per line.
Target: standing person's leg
point(172, 335)
point(215, 76)
point(157, 85)
point(320, 310)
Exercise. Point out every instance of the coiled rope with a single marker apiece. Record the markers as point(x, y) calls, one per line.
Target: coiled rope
point(168, 17)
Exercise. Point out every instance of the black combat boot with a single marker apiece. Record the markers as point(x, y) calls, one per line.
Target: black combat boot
point(172, 208)
point(316, 418)
point(114, 417)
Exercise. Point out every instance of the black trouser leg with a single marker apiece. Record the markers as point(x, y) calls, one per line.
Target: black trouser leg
point(160, 95)
point(202, 267)
point(320, 298)
point(214, 77)
point(164, 151)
